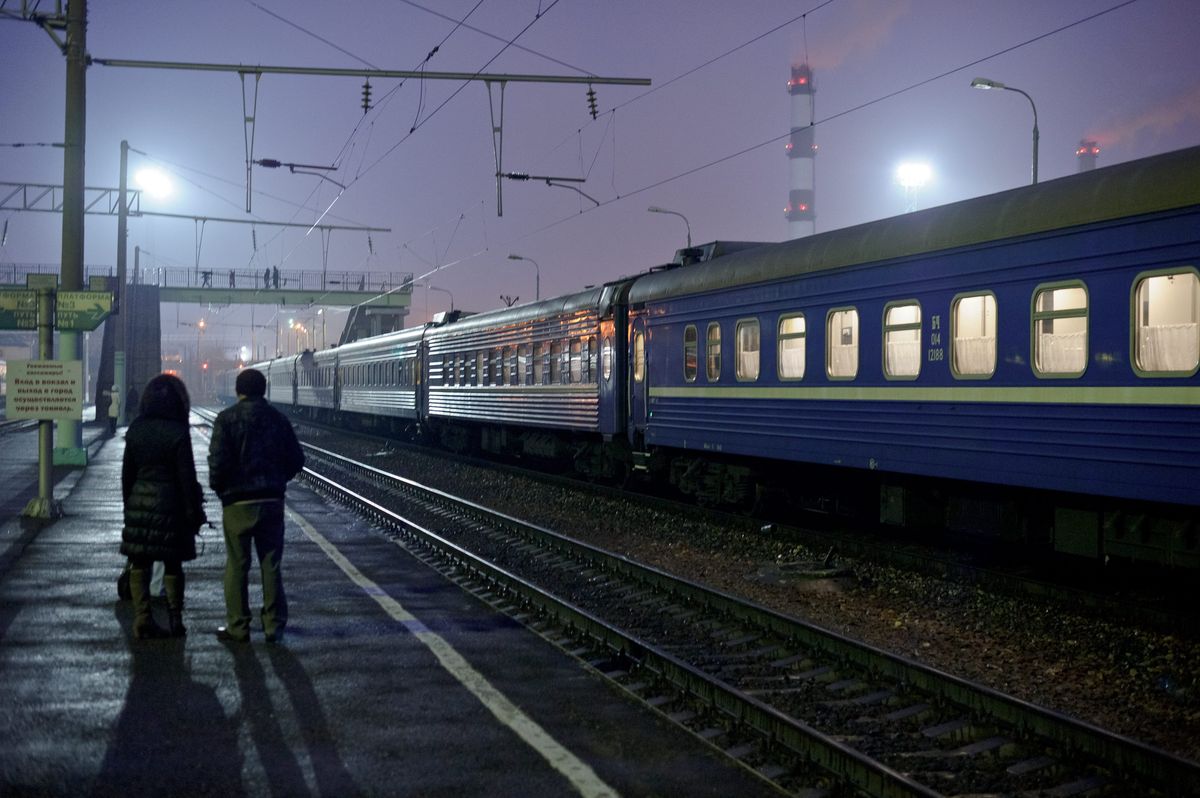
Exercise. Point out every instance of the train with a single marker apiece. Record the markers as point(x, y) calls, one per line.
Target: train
point(1022, 366)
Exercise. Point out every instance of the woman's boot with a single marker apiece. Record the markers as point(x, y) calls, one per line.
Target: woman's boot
point(144, 626)
point(174, 587)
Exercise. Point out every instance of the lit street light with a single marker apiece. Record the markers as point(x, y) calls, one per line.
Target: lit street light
point(537, 274)
point(984, 83)
point(656, 209)
point(912, 176)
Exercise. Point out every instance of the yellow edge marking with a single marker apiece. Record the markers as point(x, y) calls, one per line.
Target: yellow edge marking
point(1045, 393)
point(576, 771)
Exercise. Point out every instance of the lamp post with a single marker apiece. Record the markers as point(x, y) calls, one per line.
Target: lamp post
point(537, 276)
point(656, 209)
point(985, 83)
point(431, 287)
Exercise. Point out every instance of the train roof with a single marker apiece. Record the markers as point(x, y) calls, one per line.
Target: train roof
point(1148, 185)
point(588, 299)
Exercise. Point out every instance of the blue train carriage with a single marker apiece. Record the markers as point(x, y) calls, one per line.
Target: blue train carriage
point(1044, 338)
point(379, 380)
point(315, 383)
point(540, 381)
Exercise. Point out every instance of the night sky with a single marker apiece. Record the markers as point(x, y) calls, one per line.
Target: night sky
point(706, 140)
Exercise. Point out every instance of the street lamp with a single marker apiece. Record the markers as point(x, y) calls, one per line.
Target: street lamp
point(537, 274)
point(656, 209)
point(912, 177)
point(984, 83)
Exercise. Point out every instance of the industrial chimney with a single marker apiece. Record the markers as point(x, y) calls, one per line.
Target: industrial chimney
point(802, 152)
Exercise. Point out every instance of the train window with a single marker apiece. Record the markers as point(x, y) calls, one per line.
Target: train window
point(791, 347)
point(564, 366)
point(541, 363)
point(464, 368)
point(480, 368)
point(451, 369)
point(841, 347)
point(1167, 323)
point(523, 352)
point(691, 349)
point(973, 331)
point(497, 366)
point(576, 361)
point(639, 356)
point(509, 365)
point(746, 350)
point(902, 340)
point(712, 352)
point(555, 362)
point(589, 359)
point(606, 359)
point(1060, 330)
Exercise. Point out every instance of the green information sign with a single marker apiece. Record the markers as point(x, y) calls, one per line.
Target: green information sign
point(83, 310)
point(18, 309)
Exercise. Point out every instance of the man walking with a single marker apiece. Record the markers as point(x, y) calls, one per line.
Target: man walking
point(253, 454)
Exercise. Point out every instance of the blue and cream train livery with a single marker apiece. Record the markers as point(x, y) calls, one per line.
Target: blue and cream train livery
point(1024, 363)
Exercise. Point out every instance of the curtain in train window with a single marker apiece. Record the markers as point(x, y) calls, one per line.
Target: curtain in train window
point(481, 368)
point(576, 361)
point(746, 350)
point(1060, 330)
point(556, 349)
point(712, 352)
point(590, 358)
point(973, 330)
point(841, 348)
point(639, 357)
point(902, 340)
point(791, 340)
point(541, 363)
point(524, 363)
point(691, 350)
point(606, 359)
point(1167, 332)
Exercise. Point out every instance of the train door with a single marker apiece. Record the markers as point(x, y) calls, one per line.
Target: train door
point(639, 382)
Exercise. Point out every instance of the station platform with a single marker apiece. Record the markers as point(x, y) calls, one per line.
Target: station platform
point(392, 681)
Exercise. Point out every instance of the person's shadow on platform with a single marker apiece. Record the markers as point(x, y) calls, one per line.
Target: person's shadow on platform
point(172, 736)
point(332, 776)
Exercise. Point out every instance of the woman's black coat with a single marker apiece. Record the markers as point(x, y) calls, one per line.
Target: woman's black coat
point(164, 506)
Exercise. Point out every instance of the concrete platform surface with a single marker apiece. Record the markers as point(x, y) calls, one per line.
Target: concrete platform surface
point(392, 681)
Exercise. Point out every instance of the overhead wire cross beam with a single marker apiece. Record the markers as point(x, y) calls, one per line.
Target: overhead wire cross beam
point(490, 78)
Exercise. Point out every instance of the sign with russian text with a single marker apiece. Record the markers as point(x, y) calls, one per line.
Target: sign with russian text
point(18, 309)
point(45, 389)
point(82, 310)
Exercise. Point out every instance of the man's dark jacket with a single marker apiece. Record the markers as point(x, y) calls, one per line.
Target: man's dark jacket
point(254, 452)
point(164, 506)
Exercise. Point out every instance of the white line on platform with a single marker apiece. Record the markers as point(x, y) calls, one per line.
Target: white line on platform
point(579, 773)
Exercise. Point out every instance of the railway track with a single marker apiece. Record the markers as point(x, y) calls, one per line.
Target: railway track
point(1153, 601)
point(814, 712)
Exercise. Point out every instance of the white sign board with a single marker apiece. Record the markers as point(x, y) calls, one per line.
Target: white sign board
point(45, 389)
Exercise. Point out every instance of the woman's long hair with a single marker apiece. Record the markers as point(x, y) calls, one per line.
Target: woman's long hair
point(165, 397)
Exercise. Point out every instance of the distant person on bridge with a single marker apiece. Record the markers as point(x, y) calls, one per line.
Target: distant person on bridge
point(164, 505)
point(275, 275)
point(267, 277)
point(252, 456)
point(232, 279)
point(206, 278)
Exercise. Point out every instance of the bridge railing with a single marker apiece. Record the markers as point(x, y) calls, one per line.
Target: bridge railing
point(253, 279)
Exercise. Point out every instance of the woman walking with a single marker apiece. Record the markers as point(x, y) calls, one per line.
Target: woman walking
point(164, 506)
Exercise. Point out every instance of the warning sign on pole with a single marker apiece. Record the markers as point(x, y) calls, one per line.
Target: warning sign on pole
point(45, 389)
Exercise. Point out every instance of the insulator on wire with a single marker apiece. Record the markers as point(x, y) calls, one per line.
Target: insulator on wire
point(370, 244)
point(366, 95)
point(591, 98)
